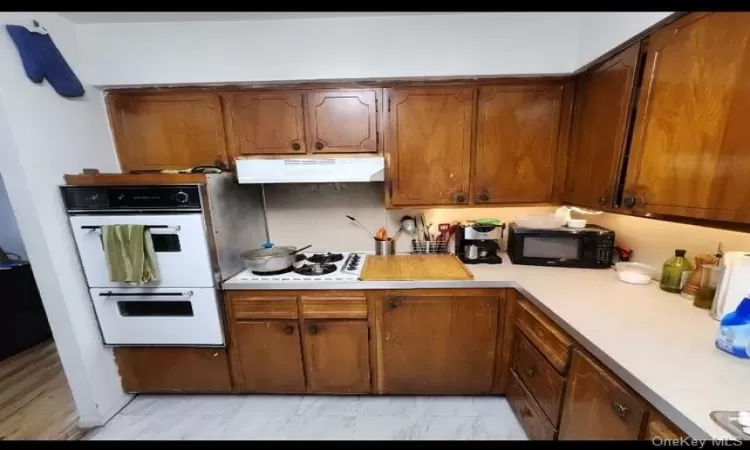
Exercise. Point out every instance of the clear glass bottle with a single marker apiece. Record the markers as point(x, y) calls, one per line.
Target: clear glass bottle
point(675, 272)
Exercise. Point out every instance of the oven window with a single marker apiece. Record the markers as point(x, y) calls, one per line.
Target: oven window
point(166, 242)
point(155, 308)
point(551, 247)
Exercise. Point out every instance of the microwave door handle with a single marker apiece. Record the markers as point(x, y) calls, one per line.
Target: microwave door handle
point(180, 295)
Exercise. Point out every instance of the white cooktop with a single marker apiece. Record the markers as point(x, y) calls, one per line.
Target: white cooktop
point(347, 268)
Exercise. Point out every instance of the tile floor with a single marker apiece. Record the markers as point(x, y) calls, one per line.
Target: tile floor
point(312, 417)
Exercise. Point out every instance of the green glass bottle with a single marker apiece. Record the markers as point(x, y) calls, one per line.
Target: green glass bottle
point(675, 272)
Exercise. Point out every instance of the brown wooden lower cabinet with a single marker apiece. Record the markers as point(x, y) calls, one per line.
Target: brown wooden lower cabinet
point(337, 356)
point(598, 406)
point(268, 356)
point(173, 369)
point(436, 341)
point(528, 412)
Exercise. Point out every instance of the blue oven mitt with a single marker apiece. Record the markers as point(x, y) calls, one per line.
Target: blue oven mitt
point(41, 59)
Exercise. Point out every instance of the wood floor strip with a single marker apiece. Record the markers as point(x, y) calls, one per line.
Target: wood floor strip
point(35, 400)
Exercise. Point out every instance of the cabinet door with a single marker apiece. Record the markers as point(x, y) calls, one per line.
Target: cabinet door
point(436, 343)
point(517, 143)
point(429, 136)
point(603, 104)
point(342, 121)
point(597, 406)
point(337, 356)
point(174, 369)
point(265, 123)
point(269, 356)
point(689, 154)
point(167, 131)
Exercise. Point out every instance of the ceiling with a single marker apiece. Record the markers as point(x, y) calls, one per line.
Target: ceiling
point(136, 17)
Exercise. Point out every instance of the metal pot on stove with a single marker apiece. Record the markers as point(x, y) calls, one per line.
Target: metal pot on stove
point(272, 259)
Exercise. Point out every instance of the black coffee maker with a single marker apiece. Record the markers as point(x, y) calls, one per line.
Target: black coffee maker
point(478, 243)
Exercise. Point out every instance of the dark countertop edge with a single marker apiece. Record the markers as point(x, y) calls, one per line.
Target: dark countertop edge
point(669, 411)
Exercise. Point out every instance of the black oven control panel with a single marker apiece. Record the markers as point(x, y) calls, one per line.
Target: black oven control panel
point(102, 198)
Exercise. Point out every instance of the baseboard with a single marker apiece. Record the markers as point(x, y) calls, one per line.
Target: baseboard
point(85, 422)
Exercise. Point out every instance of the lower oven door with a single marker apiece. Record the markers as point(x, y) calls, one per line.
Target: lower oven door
point(160, 316)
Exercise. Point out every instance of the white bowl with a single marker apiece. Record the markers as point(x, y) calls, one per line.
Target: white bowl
point(633, 277)
point(626, 266)
point(540, 221)
point(577, 223)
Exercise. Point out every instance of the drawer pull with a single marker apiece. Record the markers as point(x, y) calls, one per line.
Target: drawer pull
point(288, 329)
point(620, 409)
point(530, 372)
point(313, 329)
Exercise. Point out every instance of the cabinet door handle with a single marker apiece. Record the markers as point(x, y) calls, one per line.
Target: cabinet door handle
point(319, 145)
point(526, 412)
point(289, 329)
point(629, 200)
point(313, 329)
point(393, 303)
point(461, 197)
point(620, 409)
point(530, 372)
point(604, 198)
point(484, 196)
point(296, 146)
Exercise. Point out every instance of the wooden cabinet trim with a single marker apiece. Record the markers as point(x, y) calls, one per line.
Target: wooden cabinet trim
point(354, 307)
point(370, 142)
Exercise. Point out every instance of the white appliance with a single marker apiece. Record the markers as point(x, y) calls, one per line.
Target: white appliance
point(734, 284)
point(319, 170)
point(341, 268)
point(194, 230)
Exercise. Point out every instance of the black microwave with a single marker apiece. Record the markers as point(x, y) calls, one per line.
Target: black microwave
point(590, 247)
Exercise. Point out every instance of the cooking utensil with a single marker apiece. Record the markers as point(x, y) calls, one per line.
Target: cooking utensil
point(361, 226)
point(408, 224)
point(381, 234)
point(443, 228)
point(271, 259)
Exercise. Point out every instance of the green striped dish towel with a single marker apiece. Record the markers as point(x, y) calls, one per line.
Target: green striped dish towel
point(130, 254)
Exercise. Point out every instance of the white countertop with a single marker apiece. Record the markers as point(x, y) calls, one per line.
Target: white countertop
point(658, 343)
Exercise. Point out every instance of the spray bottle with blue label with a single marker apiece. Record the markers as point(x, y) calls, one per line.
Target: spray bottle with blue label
point(734, 332)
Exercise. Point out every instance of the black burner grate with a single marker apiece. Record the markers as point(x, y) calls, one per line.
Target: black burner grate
point(316, 269)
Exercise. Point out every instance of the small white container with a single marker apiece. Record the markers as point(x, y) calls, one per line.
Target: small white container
point(633, 277)
point(577, 223)
point(626, 266)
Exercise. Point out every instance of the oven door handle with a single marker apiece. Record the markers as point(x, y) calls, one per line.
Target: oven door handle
point(184, 295)
point(152, 228)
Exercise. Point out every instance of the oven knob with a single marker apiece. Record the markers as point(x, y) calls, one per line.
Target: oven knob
point(181, 197)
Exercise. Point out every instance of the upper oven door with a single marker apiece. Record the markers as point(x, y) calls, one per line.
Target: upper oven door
point(180, 244)
point(545, 248)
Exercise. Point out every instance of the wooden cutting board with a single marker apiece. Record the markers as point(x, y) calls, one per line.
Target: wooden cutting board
point(414, 267)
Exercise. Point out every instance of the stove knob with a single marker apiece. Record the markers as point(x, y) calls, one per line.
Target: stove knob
point(181, 197)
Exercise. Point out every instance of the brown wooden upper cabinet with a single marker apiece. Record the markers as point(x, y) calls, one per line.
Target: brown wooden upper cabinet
point(430, 138)
point(167, 130)
point(689, 152)
point(604, 96)
point(517, 143)
point(299, 122)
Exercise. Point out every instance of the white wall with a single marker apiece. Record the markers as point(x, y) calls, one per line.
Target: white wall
point(602, 31)
point(10, 236)
point(311, 49)
point(42, 137)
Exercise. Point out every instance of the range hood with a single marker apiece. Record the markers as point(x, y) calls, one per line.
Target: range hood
point(318, 170)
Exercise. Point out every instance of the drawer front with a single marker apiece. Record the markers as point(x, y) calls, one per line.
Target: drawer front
point(334, 307)
point(539, 377)
point(551, 341)
point(533, 420)
point(266, 307)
